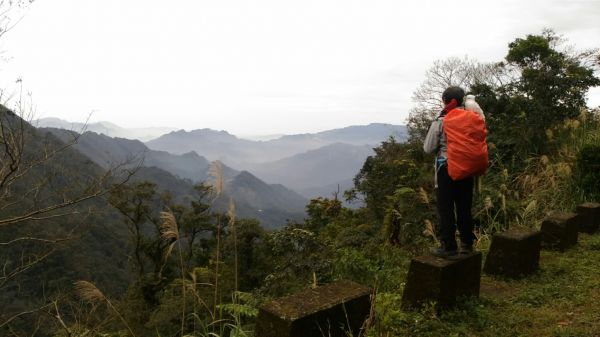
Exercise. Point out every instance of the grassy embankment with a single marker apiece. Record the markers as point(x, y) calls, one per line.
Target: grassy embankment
point(562, 299)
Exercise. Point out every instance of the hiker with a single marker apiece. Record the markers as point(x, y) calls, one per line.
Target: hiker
point(454, 182)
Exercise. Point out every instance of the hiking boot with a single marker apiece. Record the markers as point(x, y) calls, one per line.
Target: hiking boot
point(466, 249)
point(443, 252)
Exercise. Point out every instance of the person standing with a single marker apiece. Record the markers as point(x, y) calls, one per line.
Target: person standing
point(454, 197)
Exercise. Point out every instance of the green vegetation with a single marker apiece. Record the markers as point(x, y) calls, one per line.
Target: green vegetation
point(194, 271)
point(561, 300)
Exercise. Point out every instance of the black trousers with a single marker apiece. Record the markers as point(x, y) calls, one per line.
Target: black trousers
point(451, 194)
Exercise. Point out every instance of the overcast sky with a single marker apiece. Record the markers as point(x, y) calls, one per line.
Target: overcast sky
point(261, 66)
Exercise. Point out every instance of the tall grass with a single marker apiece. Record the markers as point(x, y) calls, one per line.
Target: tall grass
point(216, 171)
point(520, 196)
point(169, 232)
point(88, 292)
point(199, 317)
point(548, 182)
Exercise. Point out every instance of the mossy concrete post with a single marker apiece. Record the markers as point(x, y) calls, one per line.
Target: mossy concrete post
point(589, 217)
point(514, 253)
point(560, 230)
point(338, 310)
point(443, 281)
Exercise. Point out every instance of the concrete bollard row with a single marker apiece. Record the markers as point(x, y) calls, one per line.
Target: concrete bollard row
point(340, 309)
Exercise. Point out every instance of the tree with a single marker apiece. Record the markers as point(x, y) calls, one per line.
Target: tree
point(393, 166)
point(137, 203)
point(321, 212)
point(196, 222)
point(11, 12)
point(548, 84)
point(253, 258)
point(462, 72)
point(297, 257)
point(396, 183)
point(552, 85)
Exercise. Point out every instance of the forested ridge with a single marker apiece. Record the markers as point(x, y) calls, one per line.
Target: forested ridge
point(123, 256)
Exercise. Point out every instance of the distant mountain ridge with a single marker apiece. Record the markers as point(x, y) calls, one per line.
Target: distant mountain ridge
point(371, 134)
point(220, 145)
point(108, 151)
point(106, 128)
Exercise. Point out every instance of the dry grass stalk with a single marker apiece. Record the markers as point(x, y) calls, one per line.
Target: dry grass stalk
point(196, 275)
point(168, 227)
point(216, 172)
point(231, 211)
point(423, 196)
point(530, 210)
point(88, 292)
point(216, 297)
point(231, 214)
point(430, 231)
point(169, 232)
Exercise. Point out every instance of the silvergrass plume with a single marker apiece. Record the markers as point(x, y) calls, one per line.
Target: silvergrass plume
point(231, 211)
point(423, 195)
point(216, 172)
point(168, 231)
point(88, 292)
point(168, 226)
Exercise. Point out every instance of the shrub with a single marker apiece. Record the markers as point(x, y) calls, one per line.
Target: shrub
point(588, 163)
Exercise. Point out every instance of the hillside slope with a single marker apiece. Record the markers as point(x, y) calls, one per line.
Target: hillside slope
point(330, 165)
point(273, 205)
point(84, 241)
point(107, 152)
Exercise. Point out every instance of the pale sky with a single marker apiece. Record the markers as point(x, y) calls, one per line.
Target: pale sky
point(262, 66)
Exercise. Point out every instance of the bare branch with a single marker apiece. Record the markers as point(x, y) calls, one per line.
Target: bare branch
point(11, 13)
point(24, 313)
point(60, 320)
point(94, 191)
point(34, 239)
point(454, 71)
point(8, 276)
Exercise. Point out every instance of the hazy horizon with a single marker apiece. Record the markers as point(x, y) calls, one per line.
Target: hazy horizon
point(249, 136)
point(260, 68)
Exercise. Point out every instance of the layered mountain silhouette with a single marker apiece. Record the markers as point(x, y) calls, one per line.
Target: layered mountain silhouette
point(236, 152)
point(108, 151)
point(272, 204)
point(316, 172)
point(106, 128)
point(312, 164)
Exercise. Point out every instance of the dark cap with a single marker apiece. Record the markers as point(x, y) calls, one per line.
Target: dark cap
point(453, 92)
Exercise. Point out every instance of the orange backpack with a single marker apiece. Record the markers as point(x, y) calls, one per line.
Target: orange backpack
point(467, 147)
